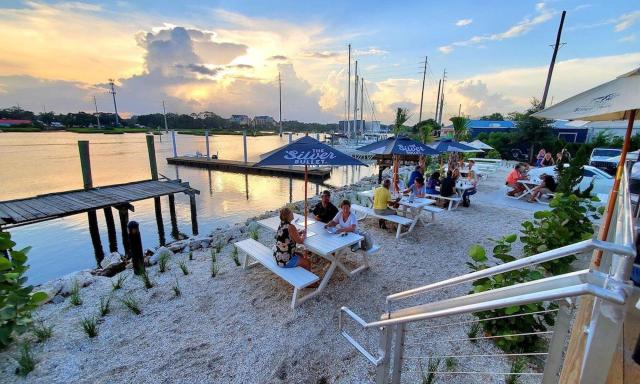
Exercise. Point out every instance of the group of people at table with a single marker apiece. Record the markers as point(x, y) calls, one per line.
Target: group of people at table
point(519, 173)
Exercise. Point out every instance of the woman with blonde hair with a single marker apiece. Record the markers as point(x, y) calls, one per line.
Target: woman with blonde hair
point(287, 237)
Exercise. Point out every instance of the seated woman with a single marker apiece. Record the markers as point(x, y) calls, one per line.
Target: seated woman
point(287, 236)
point(432, 183)
point(345, 221)
point(512, 181)
point(418, 188)
point(447, 186)
point(473, 180)
point(547, 185)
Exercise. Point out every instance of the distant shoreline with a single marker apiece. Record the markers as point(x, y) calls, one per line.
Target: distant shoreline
point(119, 131)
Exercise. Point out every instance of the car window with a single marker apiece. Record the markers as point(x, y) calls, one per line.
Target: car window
point(606, 152)
point(588, 173)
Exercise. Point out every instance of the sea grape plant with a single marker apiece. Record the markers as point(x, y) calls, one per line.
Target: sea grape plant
point(17, 299)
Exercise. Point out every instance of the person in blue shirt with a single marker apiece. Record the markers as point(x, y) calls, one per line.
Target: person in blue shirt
point(417, 172)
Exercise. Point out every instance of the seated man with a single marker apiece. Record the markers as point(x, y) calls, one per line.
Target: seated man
point(324, 211)
point(382, 202)
point(548, 185)
point(512, 181)
point(417, 172)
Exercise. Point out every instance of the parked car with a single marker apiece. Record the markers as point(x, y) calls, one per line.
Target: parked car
point(605, 158)
point(602, 181)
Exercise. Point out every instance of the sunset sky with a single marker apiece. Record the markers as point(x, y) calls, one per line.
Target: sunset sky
point(224, 56)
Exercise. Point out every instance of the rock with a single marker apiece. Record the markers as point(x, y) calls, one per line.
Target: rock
point(112, 258)
point(160, 251)
point(82, 278)
point(177, 246)
point(51, 288)
point(112, 269)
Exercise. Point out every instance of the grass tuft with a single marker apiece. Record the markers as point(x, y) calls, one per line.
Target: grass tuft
point(432, 368)
point(253, 232)
point(131, 304)
point(218, 246)
point(148, 284)
point(119, 282)
point(42, 332)
point(74, 297)
point(190, 255)
point(451, 363)
point(517, 367)
point(183, 267)
point(105, 306)
point(90, 326)
point(163, 262)
point(234, 256)
point(176, 289)
point(213, 254)
point(26, 363)
point(473, 332)
point(215, 268)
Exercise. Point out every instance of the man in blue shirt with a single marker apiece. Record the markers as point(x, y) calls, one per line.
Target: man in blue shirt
point(417, 172)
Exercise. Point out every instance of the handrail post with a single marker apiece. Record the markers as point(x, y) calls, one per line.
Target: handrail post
point(397, 353)
point(384, 351)
point(553, 364)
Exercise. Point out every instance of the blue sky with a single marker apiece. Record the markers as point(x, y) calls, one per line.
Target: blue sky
point(495, 52)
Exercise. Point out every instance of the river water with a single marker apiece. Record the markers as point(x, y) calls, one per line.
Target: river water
point(45, 162)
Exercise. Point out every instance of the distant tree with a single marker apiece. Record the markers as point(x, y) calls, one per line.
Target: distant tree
point(531, 129)
point(402, 115)
point(496, 116)
point(16, 113)
point(460, 128)
point(425, 130)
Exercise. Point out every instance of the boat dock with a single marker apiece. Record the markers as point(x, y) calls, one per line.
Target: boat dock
point(320, 173)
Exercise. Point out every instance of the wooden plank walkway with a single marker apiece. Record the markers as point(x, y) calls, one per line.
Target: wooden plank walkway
point(249, 167)
point(54, 205)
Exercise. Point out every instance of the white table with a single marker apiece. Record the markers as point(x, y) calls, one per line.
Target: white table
point(528, 185)
point(324, 244)
point(407, 207)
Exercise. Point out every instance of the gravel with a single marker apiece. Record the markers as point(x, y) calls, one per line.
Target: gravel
point(238, 327)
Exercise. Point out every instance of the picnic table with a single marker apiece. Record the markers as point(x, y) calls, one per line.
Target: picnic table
point(408, 207)
point(327, 245)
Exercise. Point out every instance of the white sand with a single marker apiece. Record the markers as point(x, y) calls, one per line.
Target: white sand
point(238, 327)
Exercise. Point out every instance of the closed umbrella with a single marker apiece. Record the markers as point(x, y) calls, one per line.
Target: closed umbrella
point(306, 152)
point(449, 145)
point(613, 100)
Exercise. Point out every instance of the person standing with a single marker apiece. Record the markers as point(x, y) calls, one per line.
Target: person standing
point(324, 211)
point(416, 172)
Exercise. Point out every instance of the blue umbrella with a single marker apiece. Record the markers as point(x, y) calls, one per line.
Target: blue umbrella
point(307, 151)
point(448, 145)
point(398, 145)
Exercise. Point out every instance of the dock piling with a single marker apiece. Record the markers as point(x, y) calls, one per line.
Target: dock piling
point(290, 137)
point(244, 144)
point(111, 229)
point(137, 257)
point(194, 214)
point(173, 140)
point(206, 140)
point(158, 208)
point(151, 149)
point(175, 233)
point(123, 213)
point(94, 232)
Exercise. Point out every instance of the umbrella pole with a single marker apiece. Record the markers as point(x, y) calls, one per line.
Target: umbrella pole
point(306, 179)
point(597, 258)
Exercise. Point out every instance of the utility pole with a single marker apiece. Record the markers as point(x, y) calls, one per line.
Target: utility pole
point(349, 93)
point(95, 104)
point(424, 76)
point(355, 99)
point(164, 113)
point(444, 79)
point(459, 109)
point(438, 100)
point(113, 93)
point(280, 87)
point(553, 62)
point(361, 105)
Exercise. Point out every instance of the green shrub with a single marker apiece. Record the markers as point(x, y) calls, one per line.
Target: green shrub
point(163, 262)
point(254, 233)
point(234, 256)
point(105, 306)
point(119, 282)
point(90, 326)
point(183, 267)
point(74, 297)
point(176, 289)
point(131, 304)
point(190, 255)
point(17, 300)
point(215, 268)
point(26, 363)
point(473, 332)
point(451, 363)
point(42, 332)
point(213, 255)
point(517, 366)
point(493, 154)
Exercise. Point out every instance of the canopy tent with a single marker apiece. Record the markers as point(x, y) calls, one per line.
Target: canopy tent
point(398, 146)
point(616, 99)
point(478, 145)
point(307, 151)
point(449, 145)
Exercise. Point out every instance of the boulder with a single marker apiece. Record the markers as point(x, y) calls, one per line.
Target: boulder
point(51, 288)
point(112, 258)
point(82, 278)
point(160, 251)
point(177, 246)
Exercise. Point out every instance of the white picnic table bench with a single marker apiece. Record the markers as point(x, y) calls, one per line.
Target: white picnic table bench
point(320, 242)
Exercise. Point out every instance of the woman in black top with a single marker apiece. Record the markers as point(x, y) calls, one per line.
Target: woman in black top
point(548, 185)
point(447, 186)
point(287, 236)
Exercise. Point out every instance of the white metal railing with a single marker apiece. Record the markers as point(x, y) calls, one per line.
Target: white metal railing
point(608, 285)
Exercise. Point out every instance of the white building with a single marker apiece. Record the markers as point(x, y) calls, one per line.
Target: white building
point(264, 120)
point(240, 119)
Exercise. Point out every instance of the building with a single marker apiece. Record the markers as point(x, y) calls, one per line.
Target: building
point(240, 119)
point(613, 128)
point(14, 122)
point(264, 120)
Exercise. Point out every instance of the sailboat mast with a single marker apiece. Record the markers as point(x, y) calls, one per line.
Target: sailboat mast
point(348, 128)
point(280, 92)
point(355, 98)
point(361, 106)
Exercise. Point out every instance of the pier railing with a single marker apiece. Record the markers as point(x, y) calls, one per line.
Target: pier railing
point(407, 336)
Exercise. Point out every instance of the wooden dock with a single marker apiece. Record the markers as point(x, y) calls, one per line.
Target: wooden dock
point(19, 212)
point(320, 173)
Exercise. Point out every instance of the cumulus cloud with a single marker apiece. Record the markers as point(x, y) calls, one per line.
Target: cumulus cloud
point(278, 57)
point(463, 22)
point(520, 28)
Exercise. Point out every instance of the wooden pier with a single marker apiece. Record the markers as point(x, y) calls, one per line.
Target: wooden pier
point(90, 199)
point(249, 167)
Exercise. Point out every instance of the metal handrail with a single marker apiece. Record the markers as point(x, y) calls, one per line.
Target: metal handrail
point(583, 246)
point(374, 360)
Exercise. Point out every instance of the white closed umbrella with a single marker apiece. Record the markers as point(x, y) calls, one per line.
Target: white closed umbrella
point(479, 145)
point(615, 100)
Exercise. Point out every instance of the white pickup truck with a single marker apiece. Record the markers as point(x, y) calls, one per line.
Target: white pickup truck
point(605, 158)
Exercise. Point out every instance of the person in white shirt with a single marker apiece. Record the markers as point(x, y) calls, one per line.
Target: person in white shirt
point(345, 221)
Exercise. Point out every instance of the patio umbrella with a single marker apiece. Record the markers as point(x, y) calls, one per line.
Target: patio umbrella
point(398, 146)
point(449, 145)
point(478, 145)
point(614, 100)
point(307, 151)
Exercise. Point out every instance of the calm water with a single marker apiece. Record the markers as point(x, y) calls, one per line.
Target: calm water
point(37, 163)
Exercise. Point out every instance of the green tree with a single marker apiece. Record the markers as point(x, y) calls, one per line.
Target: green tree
point(460, 128)
point(425, 130)
point(402, 115)
point(496, 116)
point(531, 129)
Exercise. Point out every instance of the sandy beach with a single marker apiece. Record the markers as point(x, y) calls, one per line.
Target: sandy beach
point(238, 327)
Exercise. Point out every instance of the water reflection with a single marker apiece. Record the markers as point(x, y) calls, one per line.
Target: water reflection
point(38, 163)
